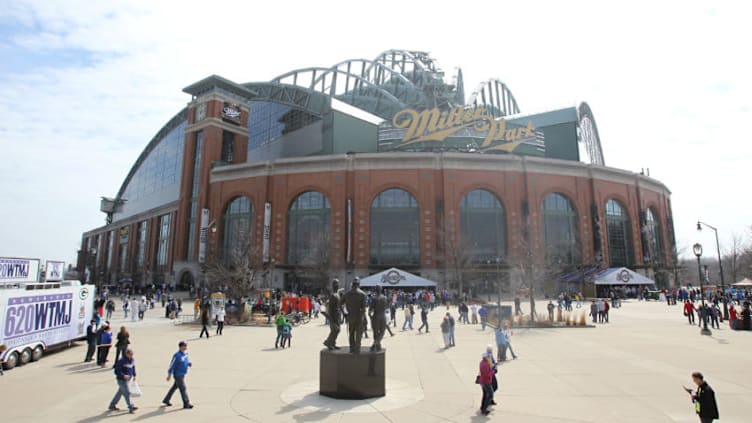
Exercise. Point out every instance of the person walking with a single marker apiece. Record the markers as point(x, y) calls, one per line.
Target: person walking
point(220, 320)
point(105, 342)
point(280, 322)
point(594, 311)
point(451, 329)
point(204, 323)
point(125, 373)
point(109, 309)
point(689, 311)
point(423, 319)
point(408, 317)
point(485, 379)
point(91, 341)
point(178, 369)
point(392, 314)
point(483, 313)
point(141, 310)
point(125, 308)
point(134, 309)
point(508, 334)
point(704, 399)
point(123, 340)
point(501, 344)
point(445, 331)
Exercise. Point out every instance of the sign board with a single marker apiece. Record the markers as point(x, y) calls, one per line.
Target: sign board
point(550, 134)
point(202, 235)
point(53, 316)
point(18, 270)
point(267, 230)
point(231, 113)
point(54, 271)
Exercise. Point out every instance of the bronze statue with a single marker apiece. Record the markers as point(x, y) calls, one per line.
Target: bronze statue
point(334, 314)
point(355, 301)
point(377, 312)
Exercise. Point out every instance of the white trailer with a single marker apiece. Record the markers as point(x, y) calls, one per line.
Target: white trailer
point(37, 316)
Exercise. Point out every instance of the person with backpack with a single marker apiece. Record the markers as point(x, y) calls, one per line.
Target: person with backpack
point(280, 322)
point(286, 335)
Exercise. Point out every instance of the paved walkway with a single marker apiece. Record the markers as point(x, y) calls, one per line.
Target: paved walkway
point(630, 370)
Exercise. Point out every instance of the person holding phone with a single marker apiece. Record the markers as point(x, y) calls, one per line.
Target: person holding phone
point(703, 398)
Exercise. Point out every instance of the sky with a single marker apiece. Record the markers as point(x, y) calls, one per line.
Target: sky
point(85, 85)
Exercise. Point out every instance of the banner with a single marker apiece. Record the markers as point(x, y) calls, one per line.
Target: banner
point(267, 230)
point(55, 316)
point(54, 271)
point(16, 270)
point(349, 230)
point(203, 233)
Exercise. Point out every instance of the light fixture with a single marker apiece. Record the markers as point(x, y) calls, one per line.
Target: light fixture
point(697, 249)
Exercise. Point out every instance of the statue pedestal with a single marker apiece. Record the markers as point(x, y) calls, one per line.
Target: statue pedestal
point(352, 376)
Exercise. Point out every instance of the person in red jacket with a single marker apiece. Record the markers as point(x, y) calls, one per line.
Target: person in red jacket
point(485, 379)
point(732, 317)
point(689, 311)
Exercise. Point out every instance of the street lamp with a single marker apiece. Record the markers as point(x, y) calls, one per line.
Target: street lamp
point(720, 266)
point(697, 249)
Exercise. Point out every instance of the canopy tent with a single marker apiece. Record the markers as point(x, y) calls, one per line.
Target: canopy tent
point(621, 276)
point(396, 278)
point(743, 283)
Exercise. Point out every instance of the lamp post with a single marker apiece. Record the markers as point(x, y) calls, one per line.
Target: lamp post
point(697, 249)
point(720, 266)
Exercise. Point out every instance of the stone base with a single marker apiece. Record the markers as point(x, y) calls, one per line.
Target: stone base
point(352, 376)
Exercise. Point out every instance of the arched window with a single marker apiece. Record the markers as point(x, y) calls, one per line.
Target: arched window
point(395, 228)
point(308, 229)
point(654, 236)
point(483, 227)
point(238, 231)
point(619, 235)
point(560, 232)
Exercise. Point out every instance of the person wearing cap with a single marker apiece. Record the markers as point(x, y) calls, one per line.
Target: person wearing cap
point(125, 372)
point(178, 369)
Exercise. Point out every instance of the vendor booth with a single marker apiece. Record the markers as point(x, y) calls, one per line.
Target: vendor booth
point(396, 279)
point(617, 277)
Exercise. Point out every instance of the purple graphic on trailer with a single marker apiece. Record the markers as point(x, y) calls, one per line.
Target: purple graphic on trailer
point(36, 314)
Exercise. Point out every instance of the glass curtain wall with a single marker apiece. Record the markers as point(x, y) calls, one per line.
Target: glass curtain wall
point(619, 240)
point(308, 229)
point(192, 217)
point(238, 231)
point(654, 236)
point(482, 223)
point(395, 229)
point(560, 231)
point(162, 243)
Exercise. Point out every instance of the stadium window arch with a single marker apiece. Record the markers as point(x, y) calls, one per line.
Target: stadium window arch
point(482, 226)
point(620, 250)
point(395, 228)
point(237, 242)
point(560, 230)
point(308, 229)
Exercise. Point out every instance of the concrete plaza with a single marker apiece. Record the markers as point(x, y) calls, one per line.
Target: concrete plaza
point(630, 370)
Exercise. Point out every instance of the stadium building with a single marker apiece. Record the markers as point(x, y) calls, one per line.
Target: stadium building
point(352, 169)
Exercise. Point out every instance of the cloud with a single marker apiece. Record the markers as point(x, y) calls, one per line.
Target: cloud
point(93, 82)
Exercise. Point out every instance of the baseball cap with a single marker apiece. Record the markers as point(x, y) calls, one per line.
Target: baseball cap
point(182, 343)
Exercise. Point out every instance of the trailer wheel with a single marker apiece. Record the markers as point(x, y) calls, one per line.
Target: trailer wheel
point(37, 353)
point(11, 360)
point(25, 356)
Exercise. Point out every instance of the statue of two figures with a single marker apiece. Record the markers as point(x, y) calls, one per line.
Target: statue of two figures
point(355, 302)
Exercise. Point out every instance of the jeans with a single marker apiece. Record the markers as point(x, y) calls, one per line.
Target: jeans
point(122, 392)
point(220, 326)
point(408, 322)
point(424, 324)
point(487, 396)
point(451, 336)
point(179, 383)
point(204, 329)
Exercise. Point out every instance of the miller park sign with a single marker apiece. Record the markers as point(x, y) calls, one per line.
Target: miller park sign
point(436, 125)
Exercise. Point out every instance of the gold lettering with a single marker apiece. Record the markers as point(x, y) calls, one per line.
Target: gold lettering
point(530, 130)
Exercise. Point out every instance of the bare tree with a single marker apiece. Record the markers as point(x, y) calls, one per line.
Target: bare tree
point(233, 271)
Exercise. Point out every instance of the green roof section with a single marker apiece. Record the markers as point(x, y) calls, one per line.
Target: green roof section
point(215, 81)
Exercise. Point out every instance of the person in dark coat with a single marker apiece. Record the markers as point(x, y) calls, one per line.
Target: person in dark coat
point(91, 341)
point(704, 399)
point(204, 323)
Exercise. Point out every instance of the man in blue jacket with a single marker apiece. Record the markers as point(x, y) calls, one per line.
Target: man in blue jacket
point(178, 369)
point(125, 371)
